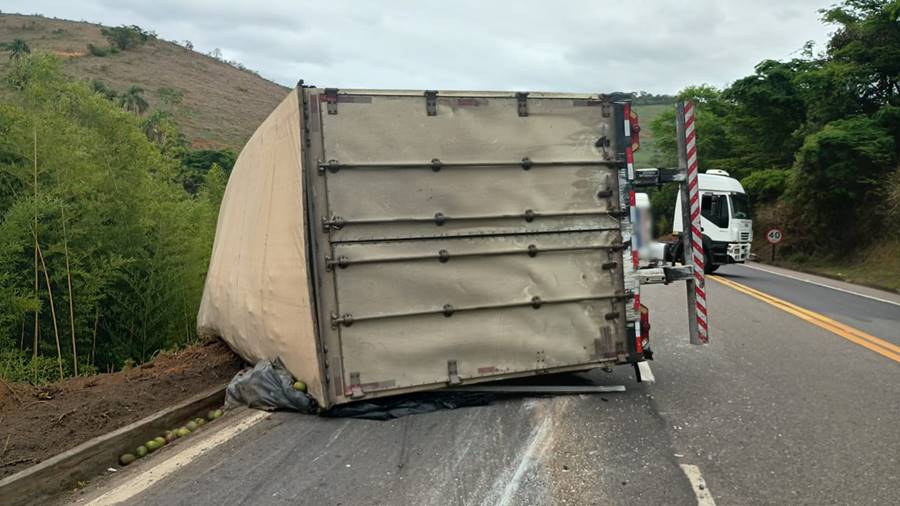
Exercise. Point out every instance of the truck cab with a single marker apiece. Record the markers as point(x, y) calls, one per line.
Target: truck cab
point(726, 224)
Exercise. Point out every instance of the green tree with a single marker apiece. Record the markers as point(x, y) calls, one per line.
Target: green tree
point(838, 169)
point(133, 100)
point(123, 248)
point(126, 37)
point(867, 43)
point(18, 49)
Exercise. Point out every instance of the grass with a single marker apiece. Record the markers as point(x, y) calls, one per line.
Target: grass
point(221, 106)
point(646, 156)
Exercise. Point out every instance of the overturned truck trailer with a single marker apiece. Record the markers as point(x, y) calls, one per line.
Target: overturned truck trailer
point(382, 242)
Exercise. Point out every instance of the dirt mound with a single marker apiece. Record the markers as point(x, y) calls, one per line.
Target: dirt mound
point(39, 422)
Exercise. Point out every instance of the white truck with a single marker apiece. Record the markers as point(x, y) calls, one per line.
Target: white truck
point(725, 220)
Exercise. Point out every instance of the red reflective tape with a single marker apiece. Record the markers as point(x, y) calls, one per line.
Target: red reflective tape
point(631, 198)
point(697, 258)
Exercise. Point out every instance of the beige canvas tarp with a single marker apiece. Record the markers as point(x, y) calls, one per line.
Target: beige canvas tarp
point(256, 295)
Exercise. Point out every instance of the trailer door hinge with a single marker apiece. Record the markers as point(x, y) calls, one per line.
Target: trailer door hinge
point(431, 102)
point(356, 389)
point(331, 97)
point(333, 223)
point(453, 372)
point(522, 100)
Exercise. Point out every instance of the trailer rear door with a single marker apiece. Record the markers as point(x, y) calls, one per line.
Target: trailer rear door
point(463, 236)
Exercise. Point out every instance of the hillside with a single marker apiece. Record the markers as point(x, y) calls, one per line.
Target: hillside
point(215, 104)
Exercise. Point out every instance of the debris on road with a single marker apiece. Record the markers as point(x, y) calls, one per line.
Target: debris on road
point(268, 386)
point(387, 408)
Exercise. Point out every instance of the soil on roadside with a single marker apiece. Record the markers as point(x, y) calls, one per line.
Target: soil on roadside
point(39, 422)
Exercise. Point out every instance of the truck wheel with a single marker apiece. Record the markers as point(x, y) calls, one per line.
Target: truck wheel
point(708, 266)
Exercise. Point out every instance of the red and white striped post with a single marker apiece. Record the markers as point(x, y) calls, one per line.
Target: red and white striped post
point(692, 238)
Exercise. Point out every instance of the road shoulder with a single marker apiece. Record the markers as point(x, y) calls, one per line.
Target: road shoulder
point(841, 286)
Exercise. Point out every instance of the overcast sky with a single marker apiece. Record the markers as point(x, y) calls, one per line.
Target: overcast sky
point(600, 45)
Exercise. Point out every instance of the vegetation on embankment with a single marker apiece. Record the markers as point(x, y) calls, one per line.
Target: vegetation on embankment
point(103, 247)
point(816, 143)
point(216, 103)
point(877, 266)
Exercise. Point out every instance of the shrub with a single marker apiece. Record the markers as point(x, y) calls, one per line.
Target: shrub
point(98, 51)
point(126, 37)
point(766, 185)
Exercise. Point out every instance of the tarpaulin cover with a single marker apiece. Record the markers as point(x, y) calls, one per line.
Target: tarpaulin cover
point(267, 386)
point(256, 296)
point(413, 404)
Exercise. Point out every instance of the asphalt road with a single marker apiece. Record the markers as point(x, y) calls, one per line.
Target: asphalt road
point(879, 318)
point(774, 410)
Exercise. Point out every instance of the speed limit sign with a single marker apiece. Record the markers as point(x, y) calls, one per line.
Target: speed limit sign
point(774, 236)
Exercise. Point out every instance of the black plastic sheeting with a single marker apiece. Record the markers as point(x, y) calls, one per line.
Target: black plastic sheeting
point(267, 386)
point(387, 408)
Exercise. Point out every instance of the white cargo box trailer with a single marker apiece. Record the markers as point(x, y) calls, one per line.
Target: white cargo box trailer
point(381, 242)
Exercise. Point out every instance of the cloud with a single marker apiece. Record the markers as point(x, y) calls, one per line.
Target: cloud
point(601, 45)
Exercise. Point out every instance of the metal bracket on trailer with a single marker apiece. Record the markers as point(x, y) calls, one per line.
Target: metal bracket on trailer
point(665, 275)
point(656, 177)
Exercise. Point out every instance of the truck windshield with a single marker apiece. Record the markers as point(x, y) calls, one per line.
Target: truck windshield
point(740, 206)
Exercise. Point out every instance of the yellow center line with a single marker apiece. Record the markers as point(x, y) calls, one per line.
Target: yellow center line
point(880, 346)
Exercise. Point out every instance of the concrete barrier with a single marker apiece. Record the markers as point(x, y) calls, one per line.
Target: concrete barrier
point(91, 458)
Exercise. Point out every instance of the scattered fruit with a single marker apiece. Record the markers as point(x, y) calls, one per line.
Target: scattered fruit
point(183, 431)
point(191, 426)
point(200, 421)
point(212, 415)
point(152, 445)
point(171, 436)
point(127, 459)
point(161, 440)
point(141, 451)
point(300, 386)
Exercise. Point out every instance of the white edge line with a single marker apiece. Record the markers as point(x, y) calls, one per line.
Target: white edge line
point(154, 474)
point(646, 373)
point(701, 491)
point(823, 285)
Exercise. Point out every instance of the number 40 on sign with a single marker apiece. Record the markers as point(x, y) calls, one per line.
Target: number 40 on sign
point(774, 236)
